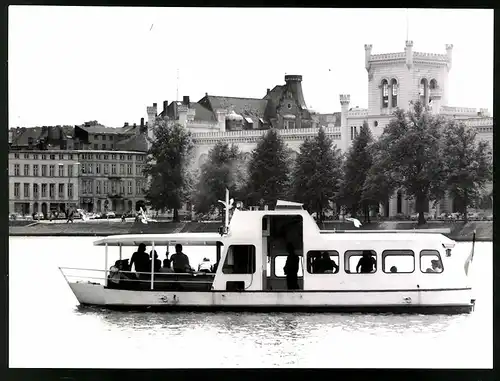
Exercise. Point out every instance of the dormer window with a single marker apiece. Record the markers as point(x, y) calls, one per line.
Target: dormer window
point(385, 94)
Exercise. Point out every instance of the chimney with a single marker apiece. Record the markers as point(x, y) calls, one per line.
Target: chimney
point(142, 123)
point(165, 106)
point(154, 105)
point(268, 91)
point(125, 124)
point(185, 100)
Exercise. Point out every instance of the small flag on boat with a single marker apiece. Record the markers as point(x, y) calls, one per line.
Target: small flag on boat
point(471, 255)
point(356, 222)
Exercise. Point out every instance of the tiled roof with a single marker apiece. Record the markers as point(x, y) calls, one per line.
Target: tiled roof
point(136, 143)
point(324, 119)
point(202, 113)
point(246, 107)
point(100, 129)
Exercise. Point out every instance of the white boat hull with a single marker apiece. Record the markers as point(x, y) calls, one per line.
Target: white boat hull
point(412, 301)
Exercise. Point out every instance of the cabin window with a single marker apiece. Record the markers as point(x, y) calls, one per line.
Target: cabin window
point(240, 259)
point(355, 265)
point(430, 261)
point(398, 261)
point(323, 262)
point(279, 263)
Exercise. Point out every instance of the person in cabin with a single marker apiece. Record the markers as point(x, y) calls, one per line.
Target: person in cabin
point(141, 260)
point(205, 266)
point(157, 264)
point(367, 263)
point(291, 268)
point(435, 267)
point(394, 269)
point(316, 263)
point(327, 265)
point(180, 261)
point(166, 267)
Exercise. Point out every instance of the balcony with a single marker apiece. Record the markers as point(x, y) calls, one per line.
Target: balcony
point(118, 195)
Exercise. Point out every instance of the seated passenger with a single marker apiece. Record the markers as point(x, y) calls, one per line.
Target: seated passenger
point(141, 260)
point(205, 267)
point(394, 269)
point(157, 264)
point(367, 263)
point(180, 261)
point(326, 264)
point(436, 267)
point(316, 263)
point(166, 267)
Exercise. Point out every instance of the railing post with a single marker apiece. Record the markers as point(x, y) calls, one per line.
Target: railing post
point(106, 266)
point(120, 253)
point(152, 264)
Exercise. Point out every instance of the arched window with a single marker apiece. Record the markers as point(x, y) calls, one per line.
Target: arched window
point(385, 94)
point(424, 91)
point(433, 84)
point(394, 93)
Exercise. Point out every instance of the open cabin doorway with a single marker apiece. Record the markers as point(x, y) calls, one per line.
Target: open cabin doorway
point(277, 232)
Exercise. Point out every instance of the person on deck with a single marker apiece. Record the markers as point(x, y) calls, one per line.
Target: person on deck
point(157, 264)
point(436, 267)
point(367, 263)
point(291, 268)
point(141, 260)
point(166, 267)
point(180, 261)
point(205, 266)
point(327, 265)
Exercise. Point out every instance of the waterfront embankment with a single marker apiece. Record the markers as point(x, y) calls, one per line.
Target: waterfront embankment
point(460, 231)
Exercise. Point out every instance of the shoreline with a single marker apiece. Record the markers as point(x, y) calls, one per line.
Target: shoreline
point(459, 230)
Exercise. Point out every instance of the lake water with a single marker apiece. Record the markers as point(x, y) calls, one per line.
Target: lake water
point(48, 330)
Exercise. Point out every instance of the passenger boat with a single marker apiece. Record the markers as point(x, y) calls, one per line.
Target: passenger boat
point(251, 251)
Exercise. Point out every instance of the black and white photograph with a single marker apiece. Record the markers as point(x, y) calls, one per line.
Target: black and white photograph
point(250, 187)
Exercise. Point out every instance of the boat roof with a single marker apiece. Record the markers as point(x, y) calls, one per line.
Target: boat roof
point(188, 239)
point(383, 236)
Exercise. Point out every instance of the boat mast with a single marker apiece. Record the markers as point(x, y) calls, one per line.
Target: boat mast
point(227, 205)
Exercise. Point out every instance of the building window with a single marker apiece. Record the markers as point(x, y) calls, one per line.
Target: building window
point(35, 170)
point(113, 169)
point(394, 92)
point(26, 169)
point(52, 157)
point(138, 170)
point(35, 157)
point(129, 169)
point(44, 170)
point(129, 187)
point(122, 168)
point(106, 169)
point(375, 124)
point(35, 191)
point(430, 262)
point(61, 170)
point(352, 133)
point(240, 259)
point(26, 155)
point(113, 157)
point(52, 170)
point(44, 157)
point(44, 190)
point(61, 190)
point(113, 187)
point(90, 156)
point(105, 187)
point(91, 169)
point(385, 94)
point(122, 157)
point(26, 190)
point(398, 261)
point(96, 146)
point(16, 190)
point(98, 187)
point(129, 157)
point(17, 170)
point(353, 263)
point(70, 191)
point(424, 91)
point(84, 168)
point(323, 262)
point(70, 170)
point(122, 187)
point(103, 146)
point(16, 156)
point(61, 156)
point(52, 190)
point(106, 156)
point(98, 168)
point(138, 188)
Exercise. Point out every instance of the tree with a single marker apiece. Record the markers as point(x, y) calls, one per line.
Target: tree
point(467, 163)
point(167, 166)
point(356, 166)
point(222, 170)
point(268, 170)
point(317, 173)
point(413, 157)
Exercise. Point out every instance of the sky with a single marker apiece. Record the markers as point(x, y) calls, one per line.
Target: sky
point(68, 65)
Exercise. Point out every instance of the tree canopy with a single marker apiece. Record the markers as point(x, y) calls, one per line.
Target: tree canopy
point(167, 166)
point(268, 170)
point(411, 154)
point(317, 173)
point(222, 170)
point(467, 163)
point(357, 164)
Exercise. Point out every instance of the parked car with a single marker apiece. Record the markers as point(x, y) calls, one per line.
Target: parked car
point(110, 214)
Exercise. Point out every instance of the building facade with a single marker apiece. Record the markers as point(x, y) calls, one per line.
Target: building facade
point(42, 181)
point(395, 80)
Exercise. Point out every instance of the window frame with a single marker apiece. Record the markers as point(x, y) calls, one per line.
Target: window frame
point(347, 256)
point(384, 254)
point(254, 267)
point(309, 252)
point(440, 260)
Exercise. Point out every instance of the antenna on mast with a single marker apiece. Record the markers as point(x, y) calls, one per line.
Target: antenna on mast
point(177, 94)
